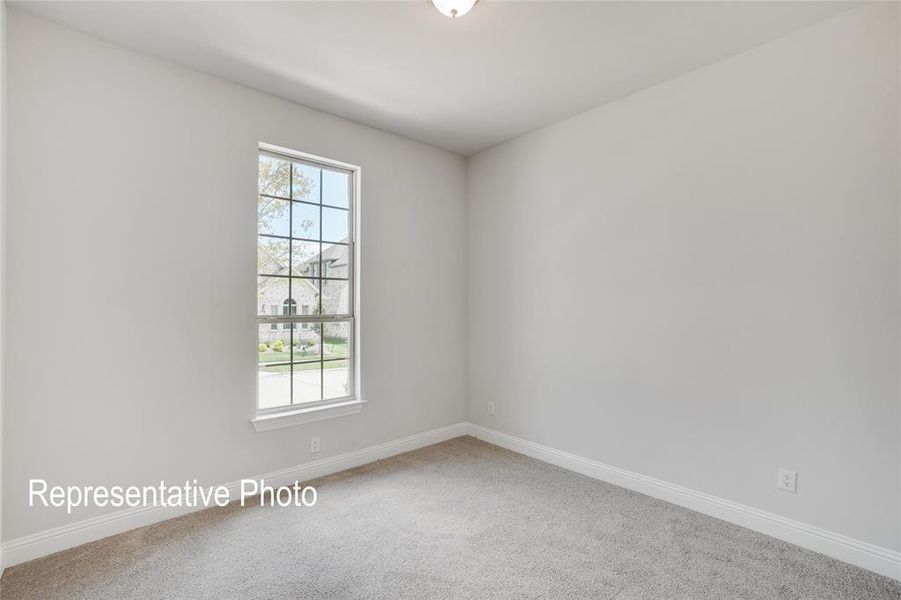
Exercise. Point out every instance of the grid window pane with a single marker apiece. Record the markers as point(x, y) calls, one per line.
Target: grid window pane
point(273, 216)
point(305, 221)
point(272, 256)
point(307, 382)
point(335, 188)
point(335, 260)
point(274, 348)
point(306, 293)
point(335, 340)
point(335, 297)
point(271, 291)
point(306, 183)
point(274, 379)
point(305, 258)
point(334, 224)
point(275, 176)
point(274, 389)
point(307, 343)
point(335, 379)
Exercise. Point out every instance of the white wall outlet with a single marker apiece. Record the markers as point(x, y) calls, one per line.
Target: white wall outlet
point(788, 480)
point(491, 408)
point(314, 444)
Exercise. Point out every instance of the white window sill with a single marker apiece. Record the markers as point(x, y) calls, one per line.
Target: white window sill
point(299, 416)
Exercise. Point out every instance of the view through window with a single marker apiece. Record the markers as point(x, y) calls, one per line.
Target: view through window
point(305, 280)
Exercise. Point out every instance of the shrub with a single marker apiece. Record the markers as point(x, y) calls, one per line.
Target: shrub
point(278, 346)
point(263, 347)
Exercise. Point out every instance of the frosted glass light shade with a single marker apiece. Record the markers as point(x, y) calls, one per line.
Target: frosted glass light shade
point(453, 8)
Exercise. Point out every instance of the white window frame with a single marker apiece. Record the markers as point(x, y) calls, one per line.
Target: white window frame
point(296, 414)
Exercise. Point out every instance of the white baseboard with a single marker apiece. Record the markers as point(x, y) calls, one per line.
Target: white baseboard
point(862, 554)
point(47, 542)
point(868, 556)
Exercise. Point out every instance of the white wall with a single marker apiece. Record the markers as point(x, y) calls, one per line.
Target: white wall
point(700, 282)
point(132, 207)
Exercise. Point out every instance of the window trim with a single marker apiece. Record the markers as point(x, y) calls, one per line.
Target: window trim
point(295, 414)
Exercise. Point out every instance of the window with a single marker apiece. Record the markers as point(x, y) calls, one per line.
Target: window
point(305, 221)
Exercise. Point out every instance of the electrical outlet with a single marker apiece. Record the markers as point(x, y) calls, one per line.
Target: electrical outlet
point(491, 408)
point(788, 480)
point(314, 444)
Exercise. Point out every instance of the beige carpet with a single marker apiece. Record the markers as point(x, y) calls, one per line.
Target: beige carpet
point(461, 519)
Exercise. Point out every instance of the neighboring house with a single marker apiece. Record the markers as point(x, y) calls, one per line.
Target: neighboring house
point(272, 293)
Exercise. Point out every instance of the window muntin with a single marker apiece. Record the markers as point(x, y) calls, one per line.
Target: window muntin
point(305, 259)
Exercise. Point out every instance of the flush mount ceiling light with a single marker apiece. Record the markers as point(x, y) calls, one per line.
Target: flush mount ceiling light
point(453, 8)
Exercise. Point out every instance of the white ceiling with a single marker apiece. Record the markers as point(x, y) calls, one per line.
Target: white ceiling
point(465, 84)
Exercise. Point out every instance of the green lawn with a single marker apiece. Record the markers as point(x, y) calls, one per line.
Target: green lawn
point(336, 350)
